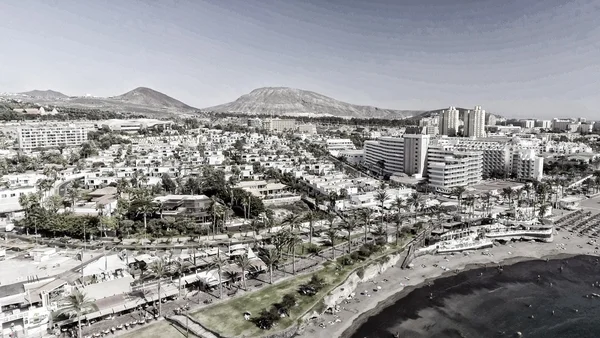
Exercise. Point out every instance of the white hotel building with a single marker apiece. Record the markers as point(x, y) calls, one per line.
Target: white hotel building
point(449, 162)
point(68, 135)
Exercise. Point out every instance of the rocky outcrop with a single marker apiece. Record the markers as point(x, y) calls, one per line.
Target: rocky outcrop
point(360, 276)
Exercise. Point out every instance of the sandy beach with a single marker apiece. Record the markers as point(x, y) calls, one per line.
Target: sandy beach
point(395, 283)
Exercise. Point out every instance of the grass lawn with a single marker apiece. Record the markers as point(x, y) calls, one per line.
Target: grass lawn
point(227, 318)
point(162, 329)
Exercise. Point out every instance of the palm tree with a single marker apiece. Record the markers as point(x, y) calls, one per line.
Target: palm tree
point(331, 234)
point(458, 192)
point(72, 195)
point(270, 258)
point(181, 266)
point(219, 263)
point(293, 220)
point(77, 304)
point(349, 225)
point(244, 263)
point(382, 196)
point(366, 215)
point(507, 193)
point(159, 269)
point(292, 241)
point(310, 217)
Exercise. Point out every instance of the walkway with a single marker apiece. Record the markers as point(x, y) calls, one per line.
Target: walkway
point(192, 325)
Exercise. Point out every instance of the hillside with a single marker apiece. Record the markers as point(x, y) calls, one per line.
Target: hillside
point(143, 96)
point(291, 101)
point(45, 94)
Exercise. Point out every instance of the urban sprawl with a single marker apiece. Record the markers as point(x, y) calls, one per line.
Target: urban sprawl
point(221, 224)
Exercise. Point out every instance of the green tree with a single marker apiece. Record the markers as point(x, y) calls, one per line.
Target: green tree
point(270, 257)
point(77, 304)
point(159, 270)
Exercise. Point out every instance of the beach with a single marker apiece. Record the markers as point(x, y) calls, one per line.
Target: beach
point(393, 284)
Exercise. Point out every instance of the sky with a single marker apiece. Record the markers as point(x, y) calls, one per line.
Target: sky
point(518, 58)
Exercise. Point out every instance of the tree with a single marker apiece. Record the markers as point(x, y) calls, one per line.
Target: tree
point(181, 266)
point(294, 221)
point(219, 263)
point(159, 269)
point(349, 225)
point(382, 196)
point(331, 234)
point(72, 195)
point(458, 192)
point(168, 184)
point(366, 214)
point(293, 240)
point(244, 263)
point(77, 304)
point(270, 258)
point(143, 204)
point(54, 203)
point(310, 217)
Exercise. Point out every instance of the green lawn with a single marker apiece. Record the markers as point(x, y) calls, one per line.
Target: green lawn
point(162, 329)
point(227, 318)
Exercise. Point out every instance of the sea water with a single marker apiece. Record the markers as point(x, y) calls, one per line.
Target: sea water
point(544, 299)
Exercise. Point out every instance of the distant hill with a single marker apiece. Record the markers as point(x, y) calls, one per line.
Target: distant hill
point(151, 98)
point(291, 101)
point(45, 94)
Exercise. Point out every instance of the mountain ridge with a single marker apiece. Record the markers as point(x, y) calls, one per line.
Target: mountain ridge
point(46, 94)
point(145, 96)
point(294, 101)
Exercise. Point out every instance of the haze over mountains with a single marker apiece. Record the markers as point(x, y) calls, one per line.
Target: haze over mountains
point(140, 100)
point(291, 101)
point(276, 101)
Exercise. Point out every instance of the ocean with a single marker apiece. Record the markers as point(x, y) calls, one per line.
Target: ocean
point(543, 299)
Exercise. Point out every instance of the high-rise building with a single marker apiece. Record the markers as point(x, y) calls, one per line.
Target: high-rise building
point(474, 123)
point(385, 154)
point(527, 124)
point(527, 165)
point(415, 154)
point(447, 168)
point(545, 124)
point(70, 135)
point(491, 120)
point(449, 121)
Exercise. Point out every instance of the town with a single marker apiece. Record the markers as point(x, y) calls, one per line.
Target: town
point(145, 227)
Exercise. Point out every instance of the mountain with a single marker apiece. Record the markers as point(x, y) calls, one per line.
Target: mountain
point(143, 96)
point(45, 94)
point(291, 101)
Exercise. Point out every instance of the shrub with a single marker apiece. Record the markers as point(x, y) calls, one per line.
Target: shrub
point(313, 286)
point(360, 273)
point(288, 301)
point(345, 260)
point(355, 256)
point(267, 318)
point(312, 248)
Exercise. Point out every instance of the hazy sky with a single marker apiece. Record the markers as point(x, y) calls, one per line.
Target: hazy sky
point(519, 58)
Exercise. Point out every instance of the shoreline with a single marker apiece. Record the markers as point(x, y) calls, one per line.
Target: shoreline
point(355, 312)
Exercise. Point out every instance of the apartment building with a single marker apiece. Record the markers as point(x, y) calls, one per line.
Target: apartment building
point(544, 124)
point(474, 123)
point(447, 169)
point(279, 125)
point(415, 154)
point(527, 165)
point(67, 135)
point(334, 145)
point(353, 156)
point(385, 155)
point(449, 122)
